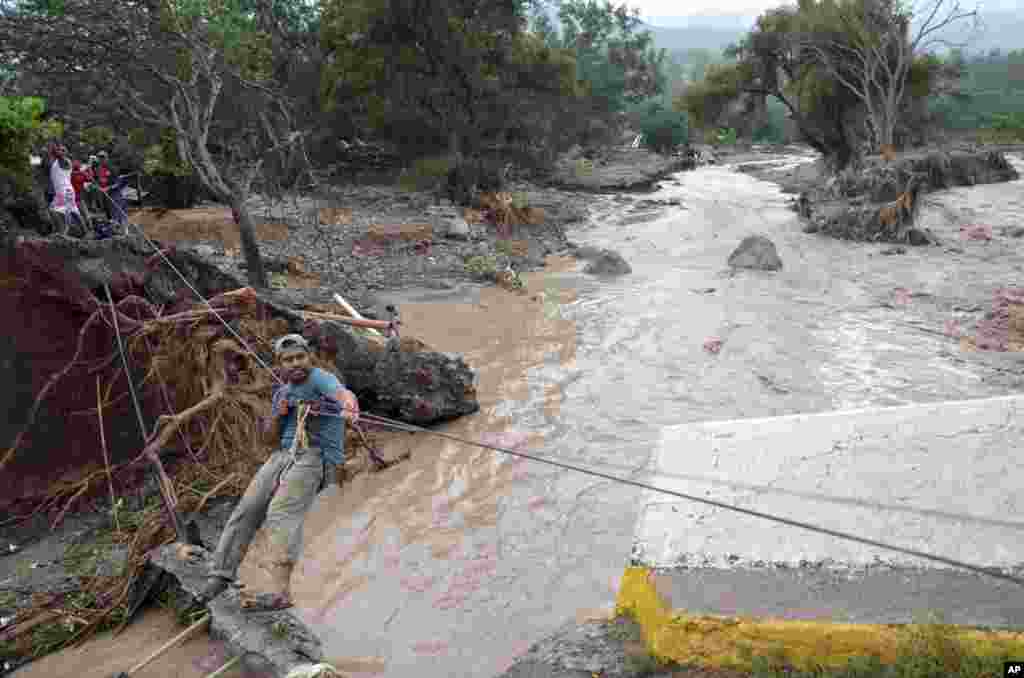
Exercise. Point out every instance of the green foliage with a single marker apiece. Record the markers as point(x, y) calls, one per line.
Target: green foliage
point(615, 59)
point(664, 130)
point(928, 650)
point(98, 136)
point(704, 102)
point(426, 173)
point(642, 665)
point(137, 136)
point(989, 87)
point(504, 248)
point(774, 129)
point(724, 136)
point(583, 167)
point(484, 267)
point(164, 159)
point(229, 25)
point(21, 128)
point(1004, 128)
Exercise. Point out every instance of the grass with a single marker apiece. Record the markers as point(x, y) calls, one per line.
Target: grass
point(583, 168)
point(425, 173)
point(929, 651)
point(504, 247)
point(639, 662)
point(7, 599)
point(81, 560)
point(484, 267)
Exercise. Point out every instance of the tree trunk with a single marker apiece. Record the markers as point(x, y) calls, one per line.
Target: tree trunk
point(886, 126)
point(250, 245)
point(454, 147)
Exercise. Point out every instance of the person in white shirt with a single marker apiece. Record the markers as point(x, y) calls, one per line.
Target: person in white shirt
point(64, 208)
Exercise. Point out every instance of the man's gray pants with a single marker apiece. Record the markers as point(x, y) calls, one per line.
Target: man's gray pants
point(283, 511)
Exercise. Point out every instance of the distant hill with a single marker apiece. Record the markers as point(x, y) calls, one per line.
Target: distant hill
point(1000, 29)
point(694, 37)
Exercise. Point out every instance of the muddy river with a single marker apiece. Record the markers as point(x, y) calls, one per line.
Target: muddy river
point(451, 564)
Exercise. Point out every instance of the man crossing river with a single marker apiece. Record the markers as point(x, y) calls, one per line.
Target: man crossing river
point(307, 422)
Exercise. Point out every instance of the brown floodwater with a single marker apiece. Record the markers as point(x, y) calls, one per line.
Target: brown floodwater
point(105, 655)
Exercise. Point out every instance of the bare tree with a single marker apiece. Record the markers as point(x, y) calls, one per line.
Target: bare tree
point(869, 46)
point(194, 68)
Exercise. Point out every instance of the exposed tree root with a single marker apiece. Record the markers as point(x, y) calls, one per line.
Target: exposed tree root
point(213, 391)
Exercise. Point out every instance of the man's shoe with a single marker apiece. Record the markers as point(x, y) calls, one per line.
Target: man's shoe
point(214, 587)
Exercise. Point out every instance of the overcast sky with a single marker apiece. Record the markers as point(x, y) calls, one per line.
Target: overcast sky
point(681, 12)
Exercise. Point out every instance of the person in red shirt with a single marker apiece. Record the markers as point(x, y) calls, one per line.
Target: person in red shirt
point(78, 181)
point(103, 174)
point(79, 178)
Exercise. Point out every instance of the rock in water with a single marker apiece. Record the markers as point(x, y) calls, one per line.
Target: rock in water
point(458, 229)
point(608, 263)
point(756, 251)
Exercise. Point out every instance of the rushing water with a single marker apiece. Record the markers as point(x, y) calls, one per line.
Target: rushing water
point(454, 562)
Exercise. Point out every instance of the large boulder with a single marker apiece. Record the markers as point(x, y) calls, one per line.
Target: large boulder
point(396, 380)
point(757, 252)
point(606, 263)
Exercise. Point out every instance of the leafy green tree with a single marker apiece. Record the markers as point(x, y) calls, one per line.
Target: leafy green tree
point(468, 71)
point(22, 128)
point(168, 65)
point(663, 129)
point(617, 61)
point(870, 48)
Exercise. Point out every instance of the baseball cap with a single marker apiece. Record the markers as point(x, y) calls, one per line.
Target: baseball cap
point(290, 341)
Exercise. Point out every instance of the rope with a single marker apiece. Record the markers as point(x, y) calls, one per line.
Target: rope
point(624, 481)
point(730, 507)
point(124, 363)
point(301, 439)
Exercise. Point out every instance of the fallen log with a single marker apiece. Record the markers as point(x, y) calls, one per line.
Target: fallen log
point(355, 322)
point(352, 311)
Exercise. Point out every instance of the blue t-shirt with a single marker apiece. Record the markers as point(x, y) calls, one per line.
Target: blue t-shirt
point(325, 432)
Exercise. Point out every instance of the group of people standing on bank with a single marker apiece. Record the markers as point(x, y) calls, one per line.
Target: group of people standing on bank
point(83, 196)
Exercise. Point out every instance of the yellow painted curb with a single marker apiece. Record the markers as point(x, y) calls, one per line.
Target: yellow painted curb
point(724, 642)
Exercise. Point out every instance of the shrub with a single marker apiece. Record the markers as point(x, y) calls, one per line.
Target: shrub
point(98, 137)
point(485, 267)
point(425, 173)
point(584, 167)
point(21, 127)
point(163, 158)
point(725, 136)
point(1006, 127)
point(664, 130)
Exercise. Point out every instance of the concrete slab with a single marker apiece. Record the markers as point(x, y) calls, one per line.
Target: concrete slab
point(942, 478)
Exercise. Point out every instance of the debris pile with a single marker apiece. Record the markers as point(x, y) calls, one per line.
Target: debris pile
point(1002, 328)
point(879, 200)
